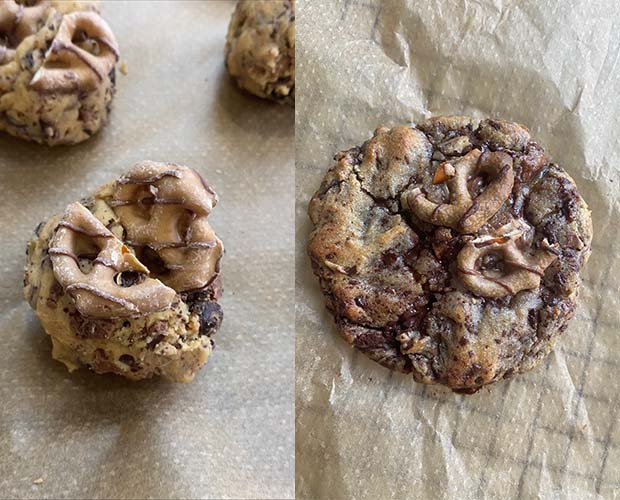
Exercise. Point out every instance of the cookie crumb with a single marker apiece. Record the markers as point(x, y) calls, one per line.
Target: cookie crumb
point(38, 481)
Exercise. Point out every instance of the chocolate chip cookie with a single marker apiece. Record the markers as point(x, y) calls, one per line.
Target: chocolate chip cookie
point(260, 48)
point(57, 70)
point(450, 250)
point(127, 280)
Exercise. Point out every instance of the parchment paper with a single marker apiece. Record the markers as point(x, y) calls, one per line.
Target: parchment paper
point(363, 432)
point(229, 433)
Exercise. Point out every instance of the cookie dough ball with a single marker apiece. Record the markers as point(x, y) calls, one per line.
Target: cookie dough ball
point(126, 281)
point(260, 48)
point(57, 70)
point(450, 250)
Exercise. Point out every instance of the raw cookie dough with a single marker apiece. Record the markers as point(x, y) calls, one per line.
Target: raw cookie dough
point(450, 250)
point(126, 281)
point(260, 48)
point(57, 70)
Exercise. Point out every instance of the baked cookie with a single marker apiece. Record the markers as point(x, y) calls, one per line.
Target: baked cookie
point(126, 281)
point(450, 250)
point(260, 48)
point(57, 70)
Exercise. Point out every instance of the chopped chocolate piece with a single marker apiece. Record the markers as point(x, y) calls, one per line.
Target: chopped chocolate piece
point(211, 316)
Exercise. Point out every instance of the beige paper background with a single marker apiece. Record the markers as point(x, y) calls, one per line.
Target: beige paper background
point(366, 433)
point(228, 434)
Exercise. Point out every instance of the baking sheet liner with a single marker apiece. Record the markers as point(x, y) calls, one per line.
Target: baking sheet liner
point(229, 433)
point(364, 432)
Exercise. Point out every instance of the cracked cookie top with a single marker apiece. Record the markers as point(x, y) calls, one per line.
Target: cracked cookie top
point(450, 250)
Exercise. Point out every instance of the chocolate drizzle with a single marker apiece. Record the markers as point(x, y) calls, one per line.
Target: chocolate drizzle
point(149, 180)
point(66, 253)
point(503, 284)
point(470, 211)
point(104, 295)
point(163, 246)
point(59, 46)
point(521, 265)
point(146, 201)
point(205, 184)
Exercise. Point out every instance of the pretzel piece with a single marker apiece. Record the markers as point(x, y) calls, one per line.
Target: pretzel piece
point(164, 207)
point(103, 292)
point(67, 65)
point(18, 21)
point(521, 270)
point(463, 212)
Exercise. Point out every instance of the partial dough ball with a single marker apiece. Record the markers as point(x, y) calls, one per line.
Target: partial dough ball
point(260, 48)
point(57, 70)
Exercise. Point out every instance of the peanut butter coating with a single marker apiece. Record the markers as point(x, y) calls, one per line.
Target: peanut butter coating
point(67, 65)
point(164, 208)
point(97, 292)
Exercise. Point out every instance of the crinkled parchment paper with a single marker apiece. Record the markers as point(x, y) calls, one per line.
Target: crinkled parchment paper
point(229, 433)
point(363, 432)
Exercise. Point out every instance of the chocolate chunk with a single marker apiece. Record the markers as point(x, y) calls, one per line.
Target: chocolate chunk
point(211, 316)
point(129, 278)
point(156, 340)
